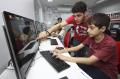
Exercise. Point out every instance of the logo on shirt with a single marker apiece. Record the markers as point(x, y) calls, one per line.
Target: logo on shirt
point(80, 30)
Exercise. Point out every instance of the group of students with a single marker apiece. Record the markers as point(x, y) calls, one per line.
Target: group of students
point(90, 35)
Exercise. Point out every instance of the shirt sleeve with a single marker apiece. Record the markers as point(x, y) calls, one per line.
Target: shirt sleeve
point(105, 53)
point(70, 20)
point(87, 41)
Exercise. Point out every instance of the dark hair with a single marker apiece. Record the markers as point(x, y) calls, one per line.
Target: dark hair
point(59, 18)
point(100, 20)
point(79, 7)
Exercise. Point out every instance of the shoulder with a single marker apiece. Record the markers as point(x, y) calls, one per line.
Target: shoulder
point(87, 41)
point(109, 40)
point(70, 19)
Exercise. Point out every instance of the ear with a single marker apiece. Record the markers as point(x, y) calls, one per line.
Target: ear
point(86, 13)
point(103, 28)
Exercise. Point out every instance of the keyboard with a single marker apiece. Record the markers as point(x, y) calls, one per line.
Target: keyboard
point(30, 45)
point(58, 64)
point(53, 42)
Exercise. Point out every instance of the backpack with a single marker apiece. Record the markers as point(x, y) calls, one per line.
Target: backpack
point(67, 37)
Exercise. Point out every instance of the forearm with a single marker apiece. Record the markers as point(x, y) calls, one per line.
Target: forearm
point(83, 60)
point(76, 48)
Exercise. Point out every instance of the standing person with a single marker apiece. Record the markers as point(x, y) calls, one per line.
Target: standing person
point(101, 62)
point(55, 33)
point(59, 20)
point(78, 19)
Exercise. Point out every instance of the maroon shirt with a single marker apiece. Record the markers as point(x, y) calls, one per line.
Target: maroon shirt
point(105, 51)
point(80, 30)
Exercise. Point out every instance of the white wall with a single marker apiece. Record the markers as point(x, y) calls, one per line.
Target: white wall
point(65, 15)
point(21, 7)
point(50, 15)
point(111, 6)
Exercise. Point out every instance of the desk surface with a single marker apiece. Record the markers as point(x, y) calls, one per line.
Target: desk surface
point(41, 69)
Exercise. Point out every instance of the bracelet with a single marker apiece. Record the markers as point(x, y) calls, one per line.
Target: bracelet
point(48, 33)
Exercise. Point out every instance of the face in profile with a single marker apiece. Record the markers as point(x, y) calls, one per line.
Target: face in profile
point(93, 30)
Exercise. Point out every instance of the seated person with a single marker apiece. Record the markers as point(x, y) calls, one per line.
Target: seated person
point(101, 61)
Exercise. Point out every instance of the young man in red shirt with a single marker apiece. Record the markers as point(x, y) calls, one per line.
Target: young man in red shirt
point(78, 19)
point(101, 62)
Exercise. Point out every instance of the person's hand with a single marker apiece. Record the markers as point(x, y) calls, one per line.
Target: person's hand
point(56, 51)
point(60, 56)
point(54, 34)
point(59, 51)
point(42, 35)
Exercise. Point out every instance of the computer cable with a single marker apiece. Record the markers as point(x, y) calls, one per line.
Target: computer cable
point(9, 62)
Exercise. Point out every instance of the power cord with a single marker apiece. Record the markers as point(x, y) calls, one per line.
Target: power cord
point(9, 62)
point(10, 65)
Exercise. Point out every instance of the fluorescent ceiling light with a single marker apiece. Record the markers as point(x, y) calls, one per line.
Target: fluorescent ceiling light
point(50, 0)
point(100, 1)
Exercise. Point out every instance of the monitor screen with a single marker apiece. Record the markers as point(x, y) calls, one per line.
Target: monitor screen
point(115, 30)
point(21, 34)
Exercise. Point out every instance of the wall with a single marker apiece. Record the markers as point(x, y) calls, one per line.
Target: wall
point(65, 15)
point(50, 15)
point(111, 6)
point(21, 7)
point(38, 11)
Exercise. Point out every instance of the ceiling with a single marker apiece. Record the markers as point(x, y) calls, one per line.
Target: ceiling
point(66, 3)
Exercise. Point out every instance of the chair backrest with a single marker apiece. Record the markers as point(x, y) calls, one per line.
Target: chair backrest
point(68, 36)
point(67, 39)
point(118, 50)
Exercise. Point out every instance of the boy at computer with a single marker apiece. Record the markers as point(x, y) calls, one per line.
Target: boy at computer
point(101, 61)
point(78, 19)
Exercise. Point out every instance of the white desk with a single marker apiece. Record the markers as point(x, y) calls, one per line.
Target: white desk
point(41, 69)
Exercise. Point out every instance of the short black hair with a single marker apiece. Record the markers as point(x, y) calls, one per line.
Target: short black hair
point(100, 20)
point(79, 7)
point(59, 18)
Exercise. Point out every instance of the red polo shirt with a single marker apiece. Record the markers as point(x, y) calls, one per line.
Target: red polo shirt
point(105, 51)
point(80, 30)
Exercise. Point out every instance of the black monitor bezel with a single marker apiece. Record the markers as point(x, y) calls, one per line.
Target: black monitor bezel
point(11, 51)
point(12, 45)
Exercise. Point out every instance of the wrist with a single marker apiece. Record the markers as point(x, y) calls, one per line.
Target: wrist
point(47, 32)
point(64, 51)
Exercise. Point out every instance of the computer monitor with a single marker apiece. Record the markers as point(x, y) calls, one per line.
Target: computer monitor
point(115, 30)
point(20, 33)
